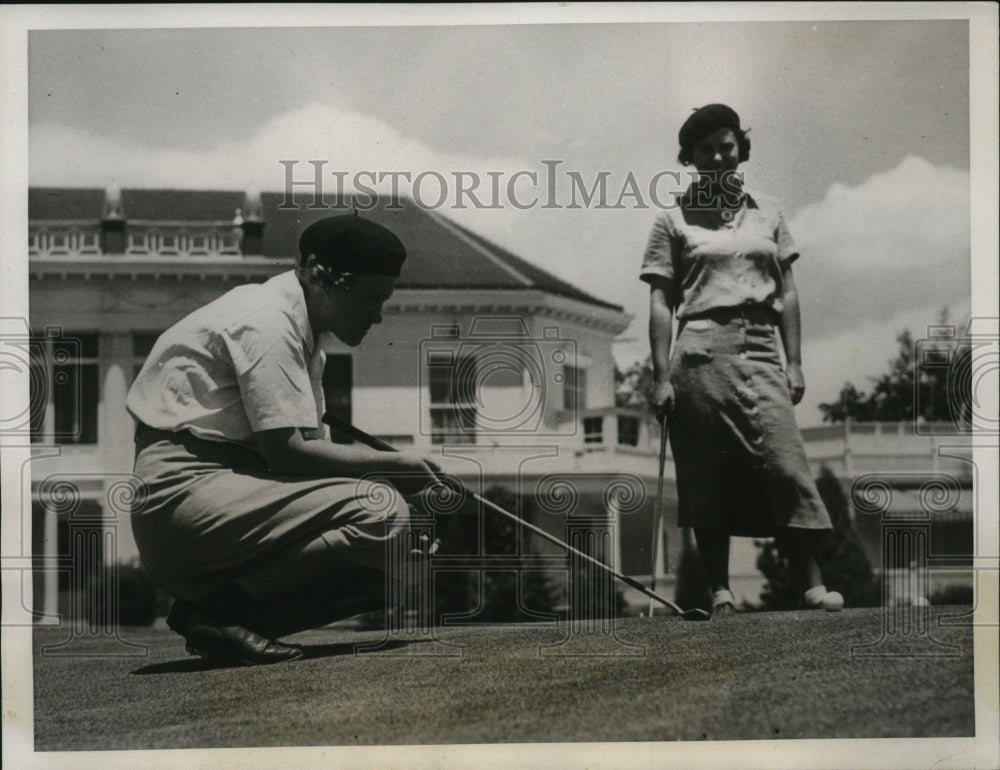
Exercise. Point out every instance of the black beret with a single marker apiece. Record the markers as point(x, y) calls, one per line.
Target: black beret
point(351, 244)
point(705, 120)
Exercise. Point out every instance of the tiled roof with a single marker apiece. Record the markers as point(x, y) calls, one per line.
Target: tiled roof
point(61, 203)
point(441, 254)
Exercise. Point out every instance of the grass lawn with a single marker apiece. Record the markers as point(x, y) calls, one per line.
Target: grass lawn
point(750, 676)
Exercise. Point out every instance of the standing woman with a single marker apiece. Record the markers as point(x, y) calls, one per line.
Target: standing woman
point(720, 261)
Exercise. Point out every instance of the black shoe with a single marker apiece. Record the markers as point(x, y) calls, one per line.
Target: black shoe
point(235, 644)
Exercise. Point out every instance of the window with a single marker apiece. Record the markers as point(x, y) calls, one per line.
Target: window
point(452, 383)
point(574, 388)
point(593, 430)
point(65, 388)
point(142, 344)
point(628, 430)
point(338, 381)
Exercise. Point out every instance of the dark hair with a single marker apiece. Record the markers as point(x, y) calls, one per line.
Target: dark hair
point(706, 120)
point(324, 276)
point(742, 140)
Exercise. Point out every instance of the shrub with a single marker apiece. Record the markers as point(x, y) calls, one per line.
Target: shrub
point(781, 591)
point(953, 594)
point(842, 558)
point(136, 598)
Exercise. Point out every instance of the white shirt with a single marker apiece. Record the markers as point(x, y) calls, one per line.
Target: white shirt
point(246, 362)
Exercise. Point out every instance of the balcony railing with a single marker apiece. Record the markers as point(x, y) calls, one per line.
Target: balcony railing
point(847, 449)
point(67, 239)
point(178, 240)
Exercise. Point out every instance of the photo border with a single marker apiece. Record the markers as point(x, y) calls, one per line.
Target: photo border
point(17, 21)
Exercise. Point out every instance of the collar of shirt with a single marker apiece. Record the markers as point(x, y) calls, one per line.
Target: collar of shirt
point(746, 198)
point(287, 284)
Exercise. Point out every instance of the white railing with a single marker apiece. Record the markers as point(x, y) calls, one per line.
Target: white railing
point(848, 448)
point(143, 239)
point(177, 239)
point(859, 447)
point(64, 240)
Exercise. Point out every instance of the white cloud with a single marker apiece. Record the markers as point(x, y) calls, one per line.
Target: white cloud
point(347, 141)
point(912, 216)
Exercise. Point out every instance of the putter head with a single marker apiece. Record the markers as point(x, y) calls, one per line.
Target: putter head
point(695, 613)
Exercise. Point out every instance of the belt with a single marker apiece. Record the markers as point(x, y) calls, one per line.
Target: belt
point(757, 314)
point(141, 429)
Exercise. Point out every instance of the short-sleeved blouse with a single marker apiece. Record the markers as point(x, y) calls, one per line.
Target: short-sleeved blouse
point(714, 263)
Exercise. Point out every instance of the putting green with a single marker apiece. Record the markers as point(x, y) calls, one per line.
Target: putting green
point(749, 676)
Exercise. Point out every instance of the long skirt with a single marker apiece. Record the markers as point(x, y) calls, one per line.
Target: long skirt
point(212, 511)
point(740, 462)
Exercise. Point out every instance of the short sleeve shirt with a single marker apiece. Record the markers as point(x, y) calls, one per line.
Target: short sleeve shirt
point(715, 263)
point(246, 362)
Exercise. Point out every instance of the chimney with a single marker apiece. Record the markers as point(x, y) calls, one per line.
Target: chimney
point(252, 214)
point(113, 221)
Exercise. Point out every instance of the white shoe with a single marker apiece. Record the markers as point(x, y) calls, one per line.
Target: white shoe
point(723, 603)
point(818, 598)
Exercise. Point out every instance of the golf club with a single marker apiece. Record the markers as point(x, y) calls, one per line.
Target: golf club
point(375, 443)
point(658, 515)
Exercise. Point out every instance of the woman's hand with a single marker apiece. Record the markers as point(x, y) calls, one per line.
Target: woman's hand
point(796, 382)
point(663, 400)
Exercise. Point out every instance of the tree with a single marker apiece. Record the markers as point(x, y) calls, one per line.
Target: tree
point(929, 379)
point(634, 386)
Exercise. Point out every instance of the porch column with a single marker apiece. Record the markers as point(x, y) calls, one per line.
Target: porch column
point(115, 429)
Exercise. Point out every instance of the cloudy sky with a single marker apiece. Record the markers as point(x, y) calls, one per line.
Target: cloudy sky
point(860, 129)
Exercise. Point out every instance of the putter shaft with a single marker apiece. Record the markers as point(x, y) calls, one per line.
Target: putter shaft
point(376, 443)
point(658, 514)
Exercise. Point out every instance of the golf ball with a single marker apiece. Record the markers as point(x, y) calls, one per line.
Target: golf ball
point(833, 602)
